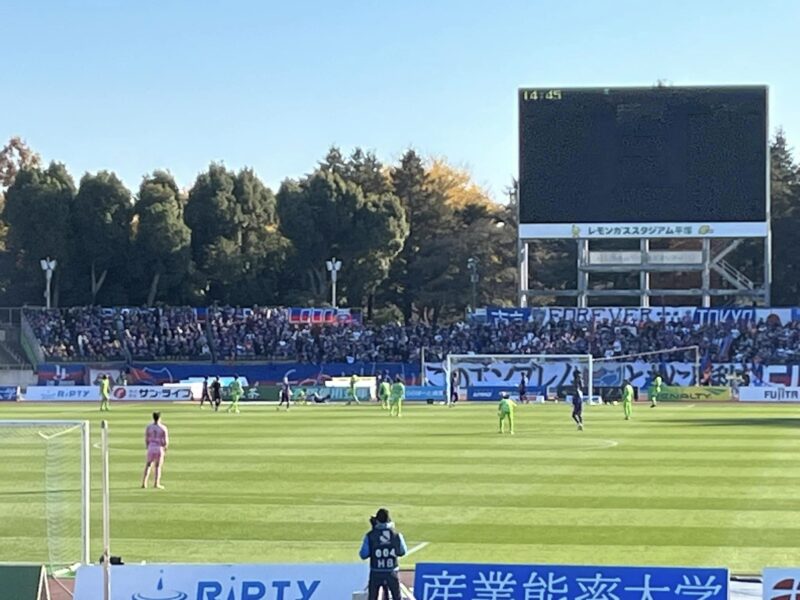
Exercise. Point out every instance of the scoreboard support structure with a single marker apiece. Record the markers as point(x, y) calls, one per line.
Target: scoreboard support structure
point(706, 261)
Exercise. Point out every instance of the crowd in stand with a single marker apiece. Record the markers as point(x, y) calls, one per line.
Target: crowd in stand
point(266, 334)
point(102, 334)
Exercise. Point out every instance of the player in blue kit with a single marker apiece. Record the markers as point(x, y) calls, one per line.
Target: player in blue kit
point(577, 398)
point(523, 388)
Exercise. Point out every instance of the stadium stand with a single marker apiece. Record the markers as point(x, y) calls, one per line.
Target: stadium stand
point(179, 333)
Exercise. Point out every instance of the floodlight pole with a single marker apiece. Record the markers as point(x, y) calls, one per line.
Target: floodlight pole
point(333, 266)
point(472, 265)
point(48, 266)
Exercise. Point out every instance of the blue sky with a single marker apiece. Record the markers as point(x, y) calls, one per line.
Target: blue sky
point(132, 86)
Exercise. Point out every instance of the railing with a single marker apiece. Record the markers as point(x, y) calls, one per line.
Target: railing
point(29, 341)
point(734, 275)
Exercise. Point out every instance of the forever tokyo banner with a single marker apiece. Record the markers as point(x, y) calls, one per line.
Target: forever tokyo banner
point(627, 314)
point(434, 581)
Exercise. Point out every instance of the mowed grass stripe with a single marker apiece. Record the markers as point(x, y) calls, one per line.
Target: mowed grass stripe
point(710, 481)
point(266, 514)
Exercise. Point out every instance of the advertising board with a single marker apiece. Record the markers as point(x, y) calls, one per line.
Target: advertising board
point(769, 394)
point(695, 393)
point(228, 582)
point(86, 393)
point(523, 582)
point(781, 584)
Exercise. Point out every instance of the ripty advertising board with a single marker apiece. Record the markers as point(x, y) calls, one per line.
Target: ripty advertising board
point(224, 582)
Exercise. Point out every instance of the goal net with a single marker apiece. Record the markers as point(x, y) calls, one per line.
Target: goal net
point(678, 366)
point(486, 376)
point(44, 492)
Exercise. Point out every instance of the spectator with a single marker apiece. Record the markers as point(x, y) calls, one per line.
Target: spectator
point(172, 333)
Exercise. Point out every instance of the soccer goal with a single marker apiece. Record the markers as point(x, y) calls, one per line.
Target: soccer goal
point(44, 492)
point(679, 366)
point(482, 376)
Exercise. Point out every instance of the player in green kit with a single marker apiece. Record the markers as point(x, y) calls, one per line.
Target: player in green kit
point(655, 389)
point(384, 391)
point(627, 399)
point(105, 392)
point(398, 394)
point(505, 411)
point(236, 393)
point(352, 397)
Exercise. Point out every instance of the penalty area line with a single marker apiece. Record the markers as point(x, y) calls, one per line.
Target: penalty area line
point(44, 436)
point(417, 548)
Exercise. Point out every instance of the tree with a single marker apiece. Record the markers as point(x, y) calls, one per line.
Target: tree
point(457, 186)
point(420, 275)
point(325, 216)
point(102, 222)
point(161, 240)
point(361, 168)
point(15, 156)
point(38, 207)
point(785, 199)
point(236, 243)
point(452, 219)
point(483, 230)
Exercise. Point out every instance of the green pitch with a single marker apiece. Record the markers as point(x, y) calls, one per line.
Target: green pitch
point(679, 484)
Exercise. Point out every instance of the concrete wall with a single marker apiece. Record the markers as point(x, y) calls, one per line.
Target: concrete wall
point(22, 377)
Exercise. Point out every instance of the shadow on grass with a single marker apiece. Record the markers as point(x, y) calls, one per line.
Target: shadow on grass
point(766, 422)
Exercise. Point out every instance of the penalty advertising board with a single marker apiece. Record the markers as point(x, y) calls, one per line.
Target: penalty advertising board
point(695, 393)
point(224, 582)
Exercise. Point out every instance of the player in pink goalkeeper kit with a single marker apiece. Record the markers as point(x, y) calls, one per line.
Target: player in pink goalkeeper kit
point(156, 438)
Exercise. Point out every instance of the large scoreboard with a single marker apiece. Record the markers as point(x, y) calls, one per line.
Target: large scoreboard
point(643, 162)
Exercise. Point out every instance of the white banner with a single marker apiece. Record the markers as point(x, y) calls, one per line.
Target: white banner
point(89, 393)
point(632, 315)
point(780, 583)
point(594, 231)
point(769, 394)
point(610, 373)
point(224, 582)
point(692, 315)
point(551, 374)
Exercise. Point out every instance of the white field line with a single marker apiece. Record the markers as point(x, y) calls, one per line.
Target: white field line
point(417, 548)
point(59, 434)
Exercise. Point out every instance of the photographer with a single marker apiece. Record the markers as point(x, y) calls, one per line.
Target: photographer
point(383, 546)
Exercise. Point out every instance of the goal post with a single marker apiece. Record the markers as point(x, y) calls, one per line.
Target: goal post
point(544, 372)
point(653, 359)
point(45, 484)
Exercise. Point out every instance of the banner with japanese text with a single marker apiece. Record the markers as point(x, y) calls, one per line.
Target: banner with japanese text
point(453, 581)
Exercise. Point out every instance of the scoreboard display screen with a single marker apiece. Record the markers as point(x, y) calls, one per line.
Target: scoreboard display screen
point(642, 156)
